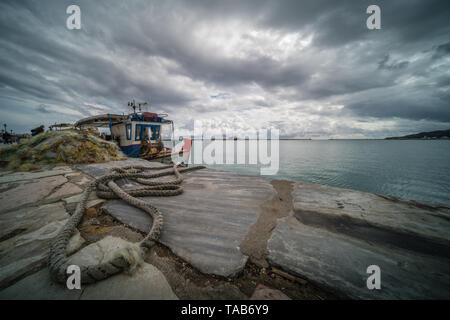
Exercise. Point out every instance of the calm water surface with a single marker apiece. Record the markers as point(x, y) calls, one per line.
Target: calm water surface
point(413, 169)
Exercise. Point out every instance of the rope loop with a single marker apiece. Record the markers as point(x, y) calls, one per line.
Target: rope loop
point(107, 188)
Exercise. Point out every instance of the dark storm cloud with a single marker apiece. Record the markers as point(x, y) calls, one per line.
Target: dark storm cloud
point(442, 50)
point(428, 108)
point(387, 65)
point(187, 56)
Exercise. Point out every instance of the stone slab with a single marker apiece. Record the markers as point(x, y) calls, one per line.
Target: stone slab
point(71, 202)
point(385, 220)
point(39, 286)
point(206, 224)
point(31, 192)
point(66, 190)
point(21, 176)
point(265, 293)
point(29, 219)
point(99, 169)
point(76, 198)
point(341, 262)
point(147, 282)
point(26, 253)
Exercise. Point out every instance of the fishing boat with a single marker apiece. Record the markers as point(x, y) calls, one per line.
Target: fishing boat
point(141, 134)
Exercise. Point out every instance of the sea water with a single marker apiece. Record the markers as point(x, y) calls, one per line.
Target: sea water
point(410, 169)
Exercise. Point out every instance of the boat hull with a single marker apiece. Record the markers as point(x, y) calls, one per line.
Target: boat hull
point(131, 150)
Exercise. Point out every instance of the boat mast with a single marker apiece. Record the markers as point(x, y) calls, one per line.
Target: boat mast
point(132, 104)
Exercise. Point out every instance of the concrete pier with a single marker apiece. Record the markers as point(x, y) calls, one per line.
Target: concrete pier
point(222, 221)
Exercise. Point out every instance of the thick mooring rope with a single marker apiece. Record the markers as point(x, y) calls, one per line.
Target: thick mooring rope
point(105, 187)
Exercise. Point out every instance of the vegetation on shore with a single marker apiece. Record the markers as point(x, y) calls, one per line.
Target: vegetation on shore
point(441, 134)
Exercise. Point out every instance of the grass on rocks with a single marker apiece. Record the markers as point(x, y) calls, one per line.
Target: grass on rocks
point(51, 148)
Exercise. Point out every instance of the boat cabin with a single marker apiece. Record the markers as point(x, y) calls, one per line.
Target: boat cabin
point(135, 130)
point(141, 127)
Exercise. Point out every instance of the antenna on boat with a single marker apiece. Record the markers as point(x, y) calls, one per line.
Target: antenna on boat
point(140, 104)
point(132, 104)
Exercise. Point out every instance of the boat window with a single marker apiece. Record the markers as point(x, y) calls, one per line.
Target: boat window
point(150, 132)
point(138, 132)
point(128, 131)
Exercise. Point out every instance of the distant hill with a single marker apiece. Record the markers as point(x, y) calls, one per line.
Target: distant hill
point(442, 134)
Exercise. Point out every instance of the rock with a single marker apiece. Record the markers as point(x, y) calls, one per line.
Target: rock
point(265, 293)
point(91, 213)
point(20, 176)
point(98, 252)
point(71, 202)
point(30, 219)
point(125, 233)
point(405, 224)
point(66, 190)
point(189, 286)
point(39, 286)
point(340, 262)
point(288, 276)
point(94, 202)
point(90, 222)
point(146, 282)
point(75, 243)
point(26, 253)
point(73, 174)
point(94, 233)
point(81, 181)
point(75, 199)
point(31, 192)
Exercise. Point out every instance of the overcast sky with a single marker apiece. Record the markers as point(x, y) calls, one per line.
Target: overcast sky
point(308, 68)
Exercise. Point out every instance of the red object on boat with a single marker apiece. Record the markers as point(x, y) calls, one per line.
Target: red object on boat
point(187, 145)
point(150, 114)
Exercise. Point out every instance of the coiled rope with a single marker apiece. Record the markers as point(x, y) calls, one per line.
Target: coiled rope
point(126, 258)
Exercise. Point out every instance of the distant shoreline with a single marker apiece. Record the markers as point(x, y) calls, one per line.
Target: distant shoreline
point(430, 135)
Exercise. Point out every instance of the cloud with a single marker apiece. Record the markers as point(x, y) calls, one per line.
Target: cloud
point(384, 64)
point(441, 51)
point(308, 67)
point(43, 108)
